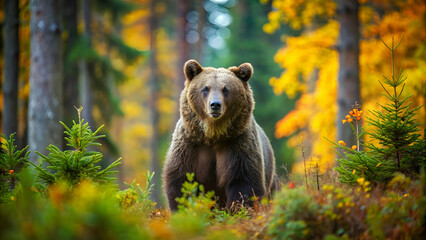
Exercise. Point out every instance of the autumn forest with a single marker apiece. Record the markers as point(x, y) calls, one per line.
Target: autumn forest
point(90, 96)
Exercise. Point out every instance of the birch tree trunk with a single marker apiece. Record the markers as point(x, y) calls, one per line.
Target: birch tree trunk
point(46, 77)
point(11, 67)
point(348, 89)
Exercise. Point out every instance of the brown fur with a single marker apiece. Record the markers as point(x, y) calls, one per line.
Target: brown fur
point(229, 154)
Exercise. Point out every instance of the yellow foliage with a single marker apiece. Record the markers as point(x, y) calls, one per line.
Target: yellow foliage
point(298, 13)
point(131, 109)
point(133, 131)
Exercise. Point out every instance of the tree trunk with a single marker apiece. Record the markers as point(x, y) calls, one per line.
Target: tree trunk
point(46, 77)
point(348, 89)
point(201, 23)
point(11, 67)
point(154, 89)
point(70, 68)
point(85, 68)
point(183, 49)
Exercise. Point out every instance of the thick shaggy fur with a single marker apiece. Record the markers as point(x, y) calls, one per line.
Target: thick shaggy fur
point(229, 154)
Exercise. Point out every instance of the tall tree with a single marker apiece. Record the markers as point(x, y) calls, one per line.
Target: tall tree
point(86, 67)
point(348, 87)
point(11, 66)
point(70, 91)
point(46, 76)
point(154, 89)
point(183, 47)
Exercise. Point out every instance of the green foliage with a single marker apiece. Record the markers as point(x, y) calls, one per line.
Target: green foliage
point(354, 165)
point(294, 215)
point(12, 161)
point(194, 198)
point(396, 212)
point(400, 149)
point(350, 213)
point(90, 211)
point(136, 198)
point(194, 209)
point(396, 128)
point(74, 166)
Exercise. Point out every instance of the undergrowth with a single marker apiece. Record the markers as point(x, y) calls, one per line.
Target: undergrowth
point(72, 198)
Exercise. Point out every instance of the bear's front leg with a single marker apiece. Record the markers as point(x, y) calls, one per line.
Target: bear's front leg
point(179, 162)
point(173, 179)
point(243, 191)
point(240, 172)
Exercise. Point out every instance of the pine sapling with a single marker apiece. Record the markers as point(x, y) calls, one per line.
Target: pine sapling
point(12, 161)
point(77, 164)
point(400, 147)
point(395, 126)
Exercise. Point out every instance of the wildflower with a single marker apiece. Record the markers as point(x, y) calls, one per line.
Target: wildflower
point(349, 120)
point(353, 172)
point(379, 164)
point(343, 121)
point(327, 187)
point(11, 172)
point(347, 117)
point(360, 181)
point(406, 195)
point(341, 142)
point(340, 196)
point(12, 198)
point(354, 147)
point(291, 185)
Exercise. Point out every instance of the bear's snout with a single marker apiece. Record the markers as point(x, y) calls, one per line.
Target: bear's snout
point(216, 109)
point(216, 105)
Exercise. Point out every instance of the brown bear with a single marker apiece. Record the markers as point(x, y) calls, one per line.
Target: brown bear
point(218, 139)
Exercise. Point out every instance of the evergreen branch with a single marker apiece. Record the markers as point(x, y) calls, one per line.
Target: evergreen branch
point(400, 40)
point(384, 86)
point(386, 45)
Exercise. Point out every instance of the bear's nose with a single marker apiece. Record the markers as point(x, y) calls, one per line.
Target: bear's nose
point(215, 105)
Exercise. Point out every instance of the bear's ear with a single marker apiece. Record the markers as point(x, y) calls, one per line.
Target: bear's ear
point(191, 69)
point(244, 71)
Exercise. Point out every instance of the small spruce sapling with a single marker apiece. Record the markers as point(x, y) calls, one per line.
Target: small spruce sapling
point(78, 164)
point(395, 126)
point(400, 147)
point(12, 161)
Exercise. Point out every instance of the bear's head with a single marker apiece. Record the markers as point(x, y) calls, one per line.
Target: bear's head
point(221, 99)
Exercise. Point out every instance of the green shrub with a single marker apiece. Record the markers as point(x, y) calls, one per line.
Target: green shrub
point(12, 161)
point(400, 148)
point(294, 215)
point(76, 165)
point(89, 211)
point(135, 198)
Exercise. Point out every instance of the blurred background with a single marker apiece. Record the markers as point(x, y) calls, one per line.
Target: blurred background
point(122, 61)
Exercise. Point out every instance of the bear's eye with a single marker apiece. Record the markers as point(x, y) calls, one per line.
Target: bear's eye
point(225, 91)
point(205, 91)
